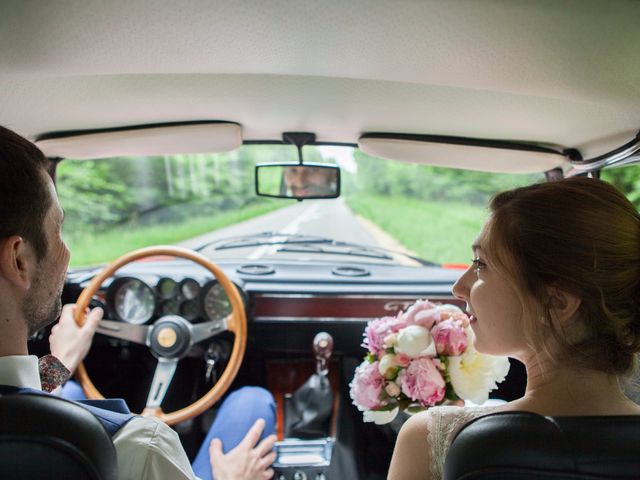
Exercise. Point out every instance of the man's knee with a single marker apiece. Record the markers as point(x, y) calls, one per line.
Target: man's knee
point(251, 398)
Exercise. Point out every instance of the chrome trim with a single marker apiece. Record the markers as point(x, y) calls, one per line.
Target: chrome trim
point(391, 296)
point(626, 154)
point(293, 452)
point(165, 369)
point(312, 319)
point(397, 306)
point(125, 331)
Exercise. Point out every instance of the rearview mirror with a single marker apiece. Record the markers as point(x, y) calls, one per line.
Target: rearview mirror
point(299, 181)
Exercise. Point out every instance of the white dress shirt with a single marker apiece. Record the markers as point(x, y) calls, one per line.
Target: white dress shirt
point(147, 448)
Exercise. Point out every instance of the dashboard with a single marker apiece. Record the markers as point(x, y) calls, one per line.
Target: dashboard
point(286, 302)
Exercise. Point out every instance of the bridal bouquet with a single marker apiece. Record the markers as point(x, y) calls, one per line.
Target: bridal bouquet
point(420, 358)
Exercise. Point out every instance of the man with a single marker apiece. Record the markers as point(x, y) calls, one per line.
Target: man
point(309, 181)
point(33, 264)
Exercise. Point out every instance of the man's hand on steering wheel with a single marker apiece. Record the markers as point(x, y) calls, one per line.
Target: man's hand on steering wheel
point(70, 342)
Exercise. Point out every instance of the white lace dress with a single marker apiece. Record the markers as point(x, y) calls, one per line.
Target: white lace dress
point(443, 422)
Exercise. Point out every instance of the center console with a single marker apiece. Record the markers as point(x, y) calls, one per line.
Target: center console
point(303, 459)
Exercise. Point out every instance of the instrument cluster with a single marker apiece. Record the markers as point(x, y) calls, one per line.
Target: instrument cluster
point(134, 301)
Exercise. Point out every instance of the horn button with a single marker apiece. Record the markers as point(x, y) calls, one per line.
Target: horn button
point(170, 337)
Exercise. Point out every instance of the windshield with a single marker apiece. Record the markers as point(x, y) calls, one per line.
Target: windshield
point(387, 212)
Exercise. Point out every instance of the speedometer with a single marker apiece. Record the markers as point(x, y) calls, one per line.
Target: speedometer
point(133, 301)
point(215, 302)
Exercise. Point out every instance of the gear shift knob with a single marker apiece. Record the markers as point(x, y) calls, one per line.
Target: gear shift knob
point(322, 349)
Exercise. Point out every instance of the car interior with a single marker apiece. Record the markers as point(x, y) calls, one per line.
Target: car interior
point(534, 90)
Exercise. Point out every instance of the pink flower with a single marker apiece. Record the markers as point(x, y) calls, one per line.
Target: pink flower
point(367, 386)
point(450, 337)
point(379, 329)
point(422, 382)
point(392, 389)
point(448, 311)
point(439, 365)
point(422, 313)
point(402, 360)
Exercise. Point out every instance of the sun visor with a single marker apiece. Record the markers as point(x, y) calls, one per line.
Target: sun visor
point(468, 154)
point(208, 137)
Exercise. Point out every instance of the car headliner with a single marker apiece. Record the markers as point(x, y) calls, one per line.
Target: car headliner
point(555, 73)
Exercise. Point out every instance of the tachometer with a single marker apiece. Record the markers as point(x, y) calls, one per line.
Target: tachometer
point(133, 301)
point(215, 302)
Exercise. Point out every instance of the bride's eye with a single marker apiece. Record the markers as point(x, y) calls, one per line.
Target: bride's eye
point(478, 264)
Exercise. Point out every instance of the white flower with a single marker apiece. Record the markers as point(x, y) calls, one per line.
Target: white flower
point(415, 341)
point(387, 366)
point(473, 374)
point(380, 417)
point(390, 340)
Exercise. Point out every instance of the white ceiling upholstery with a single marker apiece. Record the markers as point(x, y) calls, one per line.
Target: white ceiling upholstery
point(564, 73)
point(168, 140)
point(481, 159)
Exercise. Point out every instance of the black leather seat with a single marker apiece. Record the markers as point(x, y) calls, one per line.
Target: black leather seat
point(527, 446)
point(48, 437)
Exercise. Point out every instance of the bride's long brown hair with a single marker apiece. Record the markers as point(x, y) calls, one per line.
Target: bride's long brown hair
point(580, 235)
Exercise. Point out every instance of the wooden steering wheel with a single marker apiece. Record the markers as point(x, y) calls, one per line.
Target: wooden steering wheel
point(170, 336)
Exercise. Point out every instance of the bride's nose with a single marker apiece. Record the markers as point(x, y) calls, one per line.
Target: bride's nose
point(461, 287)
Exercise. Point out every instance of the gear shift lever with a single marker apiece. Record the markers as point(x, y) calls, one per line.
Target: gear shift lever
point(322, 349)
point(308, 412)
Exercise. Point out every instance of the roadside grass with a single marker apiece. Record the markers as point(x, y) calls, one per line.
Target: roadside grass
point(91, 248)
point(440, 232)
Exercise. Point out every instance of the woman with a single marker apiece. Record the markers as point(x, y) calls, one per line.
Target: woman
point(554, 283)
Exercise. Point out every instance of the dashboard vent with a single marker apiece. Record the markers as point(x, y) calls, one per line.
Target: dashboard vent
point(256, 269)
point(350, 272)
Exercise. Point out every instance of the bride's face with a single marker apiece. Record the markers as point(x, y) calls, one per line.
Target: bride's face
point(493, 303)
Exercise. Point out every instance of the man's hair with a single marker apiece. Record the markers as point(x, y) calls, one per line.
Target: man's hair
point(24, 199)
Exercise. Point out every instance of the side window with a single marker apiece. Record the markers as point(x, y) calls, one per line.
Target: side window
point(626, 179)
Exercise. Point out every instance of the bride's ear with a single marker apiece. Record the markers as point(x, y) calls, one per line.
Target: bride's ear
point(563, 305)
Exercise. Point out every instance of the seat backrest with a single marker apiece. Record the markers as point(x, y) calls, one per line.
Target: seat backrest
point(527, 446)
point(48, 437)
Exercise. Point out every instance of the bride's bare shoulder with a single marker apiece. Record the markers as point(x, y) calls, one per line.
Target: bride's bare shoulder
point(411, 454)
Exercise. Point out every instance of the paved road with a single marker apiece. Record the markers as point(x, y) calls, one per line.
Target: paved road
point(327, 218)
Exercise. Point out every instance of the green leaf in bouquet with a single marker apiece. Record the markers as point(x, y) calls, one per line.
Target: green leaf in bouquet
point(370, 357)
point(404, 403)
point(387, 407)
point(450, 393)
point(413, 409)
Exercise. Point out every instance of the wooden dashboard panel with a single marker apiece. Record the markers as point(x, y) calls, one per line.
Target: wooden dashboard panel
point(334, 306)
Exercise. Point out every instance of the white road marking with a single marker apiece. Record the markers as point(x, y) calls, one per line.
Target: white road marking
point(309, 213)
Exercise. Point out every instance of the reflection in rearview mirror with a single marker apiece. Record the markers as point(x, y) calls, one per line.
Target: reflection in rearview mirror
point(292, 180)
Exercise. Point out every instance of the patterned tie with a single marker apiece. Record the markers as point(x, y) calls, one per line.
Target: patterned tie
point(52, 373)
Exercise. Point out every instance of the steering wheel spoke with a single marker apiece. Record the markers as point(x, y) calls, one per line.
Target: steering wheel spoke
point(161, 380)
point(203, 331)
point(125, 331)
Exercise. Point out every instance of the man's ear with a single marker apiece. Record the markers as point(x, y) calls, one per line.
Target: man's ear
point(564, 305)
point(16, 261)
